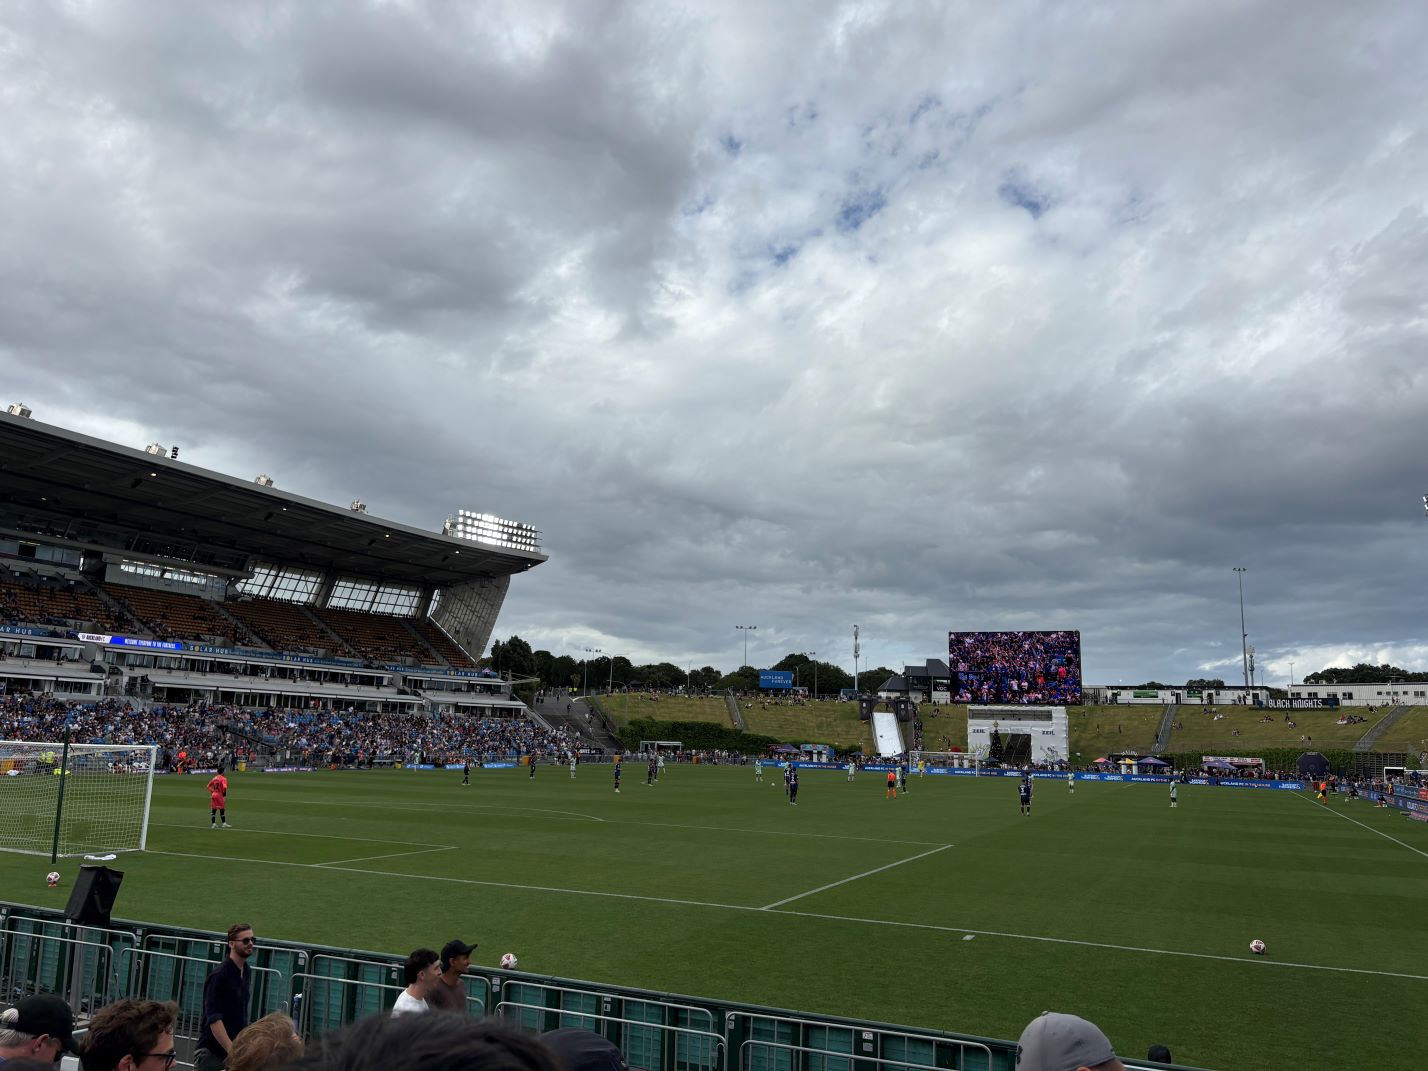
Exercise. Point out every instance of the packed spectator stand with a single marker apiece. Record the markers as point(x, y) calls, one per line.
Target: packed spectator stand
point(214, 736)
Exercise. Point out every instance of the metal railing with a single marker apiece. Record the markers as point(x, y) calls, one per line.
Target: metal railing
point(329, 988)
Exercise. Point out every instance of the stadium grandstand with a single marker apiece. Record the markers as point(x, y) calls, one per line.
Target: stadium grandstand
point(128, 574)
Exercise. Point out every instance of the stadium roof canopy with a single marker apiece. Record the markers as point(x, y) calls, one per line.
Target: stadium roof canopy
point(51, 472)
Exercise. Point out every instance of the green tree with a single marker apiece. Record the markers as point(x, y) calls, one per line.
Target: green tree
point(1205, 682)
point(704, 677)
point(1363, 673)
point(743, 679)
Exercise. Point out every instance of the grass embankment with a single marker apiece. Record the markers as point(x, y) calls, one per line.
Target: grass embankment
point(1096, 731)
point(822, 722)
point(625, 708)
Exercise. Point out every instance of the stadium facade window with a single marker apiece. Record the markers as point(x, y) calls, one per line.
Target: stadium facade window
point(157, 572)
point(395, 600)
point(284, 584)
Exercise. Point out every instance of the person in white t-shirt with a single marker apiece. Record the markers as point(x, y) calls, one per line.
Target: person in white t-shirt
point(421, 971)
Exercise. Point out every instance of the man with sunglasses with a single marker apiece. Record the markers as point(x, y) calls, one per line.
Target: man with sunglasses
point(131, 1035)
point(39, 1028)
point(226, 997)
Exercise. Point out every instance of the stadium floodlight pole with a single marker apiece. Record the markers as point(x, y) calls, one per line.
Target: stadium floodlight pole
point(1244, 636)
point(813, 657)
point(586, 663)
point(1291, 674)
point(746, 629)
point(855, 659)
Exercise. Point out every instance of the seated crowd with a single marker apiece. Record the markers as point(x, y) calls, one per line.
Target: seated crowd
point(311, 738)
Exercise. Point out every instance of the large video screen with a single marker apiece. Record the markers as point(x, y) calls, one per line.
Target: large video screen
point(1030, 668)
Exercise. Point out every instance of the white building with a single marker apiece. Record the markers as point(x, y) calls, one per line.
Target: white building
point(1384, 694)
point(1226, 695)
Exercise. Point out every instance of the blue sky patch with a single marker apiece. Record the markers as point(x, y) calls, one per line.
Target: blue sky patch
point(859, 208)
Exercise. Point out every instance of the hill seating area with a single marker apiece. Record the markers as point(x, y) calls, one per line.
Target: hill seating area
point(1242, 727)
point(626, 707)
point(1115, 729)
point(821, 722)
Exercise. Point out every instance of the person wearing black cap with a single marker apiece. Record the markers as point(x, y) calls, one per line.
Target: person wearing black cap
point(1160, 1054)
point(448, 993)
point(1054, 1041)
point(39, 1028)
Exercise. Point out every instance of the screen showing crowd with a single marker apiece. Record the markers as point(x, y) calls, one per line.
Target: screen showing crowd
point(1033, 668)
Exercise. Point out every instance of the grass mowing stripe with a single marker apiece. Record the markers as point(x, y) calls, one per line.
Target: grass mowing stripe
point(316, 836)
point(1356, 822)
point(523, 812)
point(814, 915)
point(855, 877)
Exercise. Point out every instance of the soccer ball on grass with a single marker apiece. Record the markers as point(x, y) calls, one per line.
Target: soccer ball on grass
point(1257, 947)
point(52, 878)
point(509, 961)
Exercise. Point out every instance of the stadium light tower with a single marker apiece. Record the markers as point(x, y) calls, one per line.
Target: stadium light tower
point(585, 664)
point(813, 657)
point(746, 629)
point(855, 658)
point(1244, 636)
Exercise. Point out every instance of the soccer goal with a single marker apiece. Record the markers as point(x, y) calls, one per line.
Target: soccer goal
point(74, 799)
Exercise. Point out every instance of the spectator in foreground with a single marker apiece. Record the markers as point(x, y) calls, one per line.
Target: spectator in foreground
point(1054, 1041)
point(1160, 1054)
point(583, 1050)
point(270, 1042)
point(227, 994)
point(420, 973)
point(131, 1035)
point(39, 1028)
point(427, 1043)
point(447, 992)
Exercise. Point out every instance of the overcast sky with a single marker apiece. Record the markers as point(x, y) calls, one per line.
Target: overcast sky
point(801, 315)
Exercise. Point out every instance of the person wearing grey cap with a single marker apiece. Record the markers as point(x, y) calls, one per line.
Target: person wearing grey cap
point(1055, 1041)
point(40, 1027)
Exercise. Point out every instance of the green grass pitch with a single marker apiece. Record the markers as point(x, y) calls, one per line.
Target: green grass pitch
point(1106, 903)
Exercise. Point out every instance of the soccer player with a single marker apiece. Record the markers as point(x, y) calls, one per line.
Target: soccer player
point(617, 773)
point(574, 760)
point(793, 785)
point(902, 777)
point(533, 766)
point(758, 770)
point(466, 772)
point(892, 785)
point(1025, 792)
point(852, 769)
point(1173, 787)
point(217, 802)
point(651, 769)
point(1070, 783)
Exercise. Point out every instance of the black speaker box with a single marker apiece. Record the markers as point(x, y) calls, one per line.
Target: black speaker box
point(92, 898)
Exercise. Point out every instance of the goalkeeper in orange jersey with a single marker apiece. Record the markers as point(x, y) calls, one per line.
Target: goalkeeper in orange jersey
point(217, 801)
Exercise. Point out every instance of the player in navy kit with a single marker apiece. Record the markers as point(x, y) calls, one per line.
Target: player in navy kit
point(650, 771)
point(793, 785)
point(617, 774)
point(1025, 792)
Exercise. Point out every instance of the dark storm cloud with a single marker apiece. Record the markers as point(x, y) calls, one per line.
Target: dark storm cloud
point(916, 318)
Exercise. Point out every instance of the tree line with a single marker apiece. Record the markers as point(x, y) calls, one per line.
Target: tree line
point(514, 657)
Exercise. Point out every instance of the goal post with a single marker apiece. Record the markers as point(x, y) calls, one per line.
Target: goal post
point(65, 799)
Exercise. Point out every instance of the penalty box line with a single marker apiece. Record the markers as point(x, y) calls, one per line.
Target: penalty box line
point(1257, 962)
point(1355, 821)
point(855, 877)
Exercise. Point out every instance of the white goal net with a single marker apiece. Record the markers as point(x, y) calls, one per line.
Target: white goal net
point(99, 795)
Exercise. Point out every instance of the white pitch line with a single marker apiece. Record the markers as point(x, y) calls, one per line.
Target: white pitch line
point(1355, 821)
point(390, 855)
point(855, 877)
point(1257, 962)
point(492, 808)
